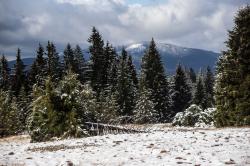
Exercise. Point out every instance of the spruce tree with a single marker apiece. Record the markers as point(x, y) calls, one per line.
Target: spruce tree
point(9, 116)
point(233, 75)
point(53, 64)
point(199, 96)
point(192, 75)
point(58, 110)
point(181, 93)
point(209, 85)
point(80, 63)
point(97, 58)
point(5, 74)
point(69, 59)
point(33, 73)
point(126, 91)
point(113, 72)
point(23, 104)
point(132, 71)
point(153, 74)
point(37, 72)
point(107, 107)
point(19, 77)
point(145, 108)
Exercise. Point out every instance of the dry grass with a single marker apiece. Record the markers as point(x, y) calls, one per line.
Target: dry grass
point(52, 148)
point(16, 138)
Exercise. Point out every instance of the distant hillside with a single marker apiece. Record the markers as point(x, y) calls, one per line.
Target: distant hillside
point(171, 55)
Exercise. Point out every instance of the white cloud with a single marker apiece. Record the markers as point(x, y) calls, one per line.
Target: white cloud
point(35, 24)
point(192, 23)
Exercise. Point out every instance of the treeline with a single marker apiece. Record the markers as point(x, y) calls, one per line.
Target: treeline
point(104, 89)
point(57, 95)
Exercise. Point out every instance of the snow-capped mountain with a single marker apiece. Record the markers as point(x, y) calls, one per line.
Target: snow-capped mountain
point(171, 55)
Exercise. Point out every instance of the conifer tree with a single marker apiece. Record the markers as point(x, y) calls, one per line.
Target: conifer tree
point(107, 55)
point(107, 107)
point(125, 87)
point(192, 75)
point(53, 63)
point(58, 111)
point(132, 71)
point(199, 96)
point(5, 74)
point(145, 108)
point(37, 72)
point(113, 72)
point(80, 63)
point(97, 59)
point(23, 104)
point(33, 73)
point(182, 94)
point(233, 75)
point(69, 59)
point(209, 85)
point(10, 123)
point(19, 77)
point(153, 74)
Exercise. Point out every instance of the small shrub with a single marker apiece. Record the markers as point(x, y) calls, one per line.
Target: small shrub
point(194, 116)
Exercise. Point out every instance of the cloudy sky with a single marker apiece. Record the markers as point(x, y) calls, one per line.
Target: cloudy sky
point(191, 23)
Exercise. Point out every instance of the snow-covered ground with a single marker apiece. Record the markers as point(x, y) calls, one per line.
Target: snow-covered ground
point(165, 146)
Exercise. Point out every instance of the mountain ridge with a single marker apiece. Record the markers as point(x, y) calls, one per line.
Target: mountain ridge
point(171, 55)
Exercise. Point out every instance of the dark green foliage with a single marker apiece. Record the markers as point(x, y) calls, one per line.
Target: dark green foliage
point(113, 72)
point(53, 63)
point(233, 75)
point(182, 92)
point(98, 60)
point(5, 74)
point(80, 63)
point(9, 119)
point(69, 59)
point(19, 77)
point(126, 90)
point(24, 111)
point(132, 71)
point(57, 110)
point(38, 71)
point(192, 75)
point(209, 85)
point(153, 78)
point(200, 96)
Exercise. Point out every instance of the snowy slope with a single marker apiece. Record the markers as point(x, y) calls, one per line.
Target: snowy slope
point(168, 146)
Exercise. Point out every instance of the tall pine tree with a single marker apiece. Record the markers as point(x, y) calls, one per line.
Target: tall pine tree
point(126, 91)
point(80, 63)
point(192, 75)
point(132, 71)
point(209, 88)
point(153, 74)
point(97, 58)
point(5, 73)
point(69, 59)
point(53, 63)
point(19, 77)
point(199, 96)
point(182, 92)
point(233, 75)
point(37, 72)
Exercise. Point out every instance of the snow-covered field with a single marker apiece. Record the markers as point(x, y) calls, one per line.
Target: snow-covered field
point(164, 146)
